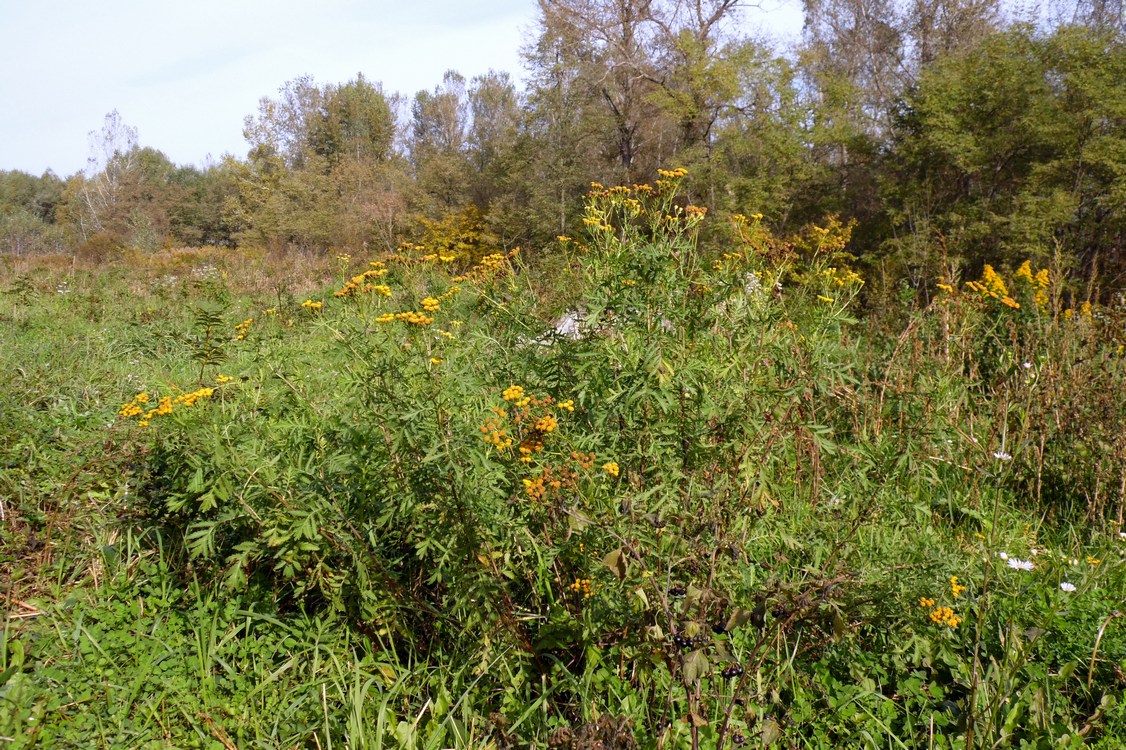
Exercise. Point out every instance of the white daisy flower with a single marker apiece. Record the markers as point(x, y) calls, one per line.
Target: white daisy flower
point(1002, 456)
point(1017, 564)
point(1068, 587)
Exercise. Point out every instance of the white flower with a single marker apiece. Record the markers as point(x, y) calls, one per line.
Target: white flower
point(1002, 456)
point(1068, 587)
point(1026, 365)
point(1034, 552)
point(1018, 564)
point(1073, 561)
point(1122, 535)
point(1003, 555)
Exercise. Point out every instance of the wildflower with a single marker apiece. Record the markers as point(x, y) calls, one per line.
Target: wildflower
point(311, 305)
point(567, 405)
point(435, 361)
point(223, 379)
point(1068, 587)
point(513, 393)
point(945, 616)
point(141, 398)
point(955, 588)
point(925, 602)
point(546, 424)
point(1002, 456)
point(824, 298)
point(387, 318)
point(1093, 561)
point(1017, 564)
point(611, 468)
point(1003, 555)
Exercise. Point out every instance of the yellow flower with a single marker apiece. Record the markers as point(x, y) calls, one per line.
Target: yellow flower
point(223, 379)
point(925, 602)
point(955, 588)
point(567, 405)
point(611, 468)
point(513, 393)
point(435, 361)
point(824, 298)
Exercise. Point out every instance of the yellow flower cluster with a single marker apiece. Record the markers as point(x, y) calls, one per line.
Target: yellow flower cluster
point(539, 425)
point(490, 265)
point(956, 588)
point(413, 317)
point(843, 276)
point(991, 286)
point(567, 405)
point(362, 283)
point(549, 480)
point(243, 328)
point(945, 616)
point(310, 305)
point(494, 432)
point(673, 174)
point(189, 399)
point(611, 468)
point(584, 586)
point(135, 408)
point(431, 304)
point(1038, 282)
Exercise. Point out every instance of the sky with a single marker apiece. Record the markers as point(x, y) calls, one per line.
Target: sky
point(185, 74)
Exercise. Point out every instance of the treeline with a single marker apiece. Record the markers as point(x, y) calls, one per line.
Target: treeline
point(952, 131)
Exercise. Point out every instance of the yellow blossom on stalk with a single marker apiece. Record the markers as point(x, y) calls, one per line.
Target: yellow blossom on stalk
point(1093, 561)
point(546, 423)
point(567, 405)
point(430, 304)
point(925, 602)
point(414, 318)
point(141, 398)
point(582, 586)
point(386, 318)
point(223, 379)
point(611, 468)
point(243, 328)
point(513, 393)
point(955, 588)
point(311, 305)
point(945, 616)
point(823, 298)
point(673, 174)
point(945, 287)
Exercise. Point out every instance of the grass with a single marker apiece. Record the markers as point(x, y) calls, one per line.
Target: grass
point(813, 533)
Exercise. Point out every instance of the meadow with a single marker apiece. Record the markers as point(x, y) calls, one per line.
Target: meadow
point(748, 499)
